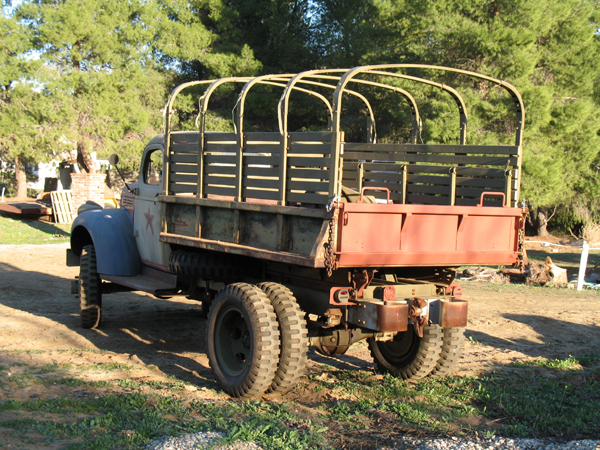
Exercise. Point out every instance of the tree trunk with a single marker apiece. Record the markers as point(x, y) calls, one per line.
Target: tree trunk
point(84, 158)
point(20, 177)
point(541, 222)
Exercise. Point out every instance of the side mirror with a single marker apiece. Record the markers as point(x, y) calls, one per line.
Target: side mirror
point(114, 160)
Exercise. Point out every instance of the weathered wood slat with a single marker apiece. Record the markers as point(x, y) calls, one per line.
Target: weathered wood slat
point(308, 162)
point(307, 198)
point(308, 185)
point(481, 182)
point(182, 188)
point(219, 159)
point(508, 150)
point(254, 171)
point(311, 149)
point(184, 148)
point(220, 170)
point(432, 158)
point(466, 201)
point(480, 172)
point(220, 148)
point(185, 158)
point(318, 173)
point(219, 190)
point(214, 178)
point(311, 136)
point(183, 178)
point(260, 136)
point(393, 187)
point(184, 168)
point(220, 136)
point(265, 195)
point(261, 183)
point(429, 179)
point(185, 136)
point(426, 199)
point(427, 189)
point(262, 160)
point(475, 192)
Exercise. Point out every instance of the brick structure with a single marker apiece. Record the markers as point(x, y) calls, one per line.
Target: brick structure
point(84, 187)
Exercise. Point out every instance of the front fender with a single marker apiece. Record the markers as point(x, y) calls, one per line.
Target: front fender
point(111, 232)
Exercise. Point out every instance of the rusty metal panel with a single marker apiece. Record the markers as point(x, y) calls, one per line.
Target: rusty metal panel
point(380, 316)
point(413, 235)
point(454, 313)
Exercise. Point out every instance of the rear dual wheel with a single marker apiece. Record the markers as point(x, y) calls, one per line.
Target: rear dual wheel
point(412, 357)
point(257, 339)
point(293, 337)
point(243, 340)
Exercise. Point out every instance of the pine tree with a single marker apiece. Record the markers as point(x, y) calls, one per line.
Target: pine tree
point(548, 49)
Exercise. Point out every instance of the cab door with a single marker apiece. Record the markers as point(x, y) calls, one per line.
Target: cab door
point(148, 211)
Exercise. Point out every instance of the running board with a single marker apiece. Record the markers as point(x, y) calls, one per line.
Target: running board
point(151, 280)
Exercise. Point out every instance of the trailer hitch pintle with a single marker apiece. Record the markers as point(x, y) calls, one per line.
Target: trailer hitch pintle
point(418, 312)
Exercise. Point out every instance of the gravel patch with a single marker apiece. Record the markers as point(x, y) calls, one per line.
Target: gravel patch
point(495, 443)
point(201, 440)
point(196, 441)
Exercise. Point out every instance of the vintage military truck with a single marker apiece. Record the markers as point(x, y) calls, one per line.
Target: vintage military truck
point(298, 238)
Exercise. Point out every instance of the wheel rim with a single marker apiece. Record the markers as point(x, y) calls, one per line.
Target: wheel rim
point(401, 348)
point(233, 344)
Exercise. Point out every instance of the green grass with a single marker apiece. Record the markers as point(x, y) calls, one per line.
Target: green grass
point(133, 420)
point(511, 401)
point(18, 230)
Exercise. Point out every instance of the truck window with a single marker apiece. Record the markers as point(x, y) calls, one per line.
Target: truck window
point(153, 167)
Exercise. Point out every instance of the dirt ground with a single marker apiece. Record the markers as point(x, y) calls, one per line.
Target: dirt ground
point(165, 339)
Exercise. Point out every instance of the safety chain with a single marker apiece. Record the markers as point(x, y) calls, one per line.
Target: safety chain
point(521, 263)
point(330, 256)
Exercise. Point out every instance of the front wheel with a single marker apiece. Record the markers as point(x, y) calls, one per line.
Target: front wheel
point(243, 340)
point(90, 293)
point(408, 355)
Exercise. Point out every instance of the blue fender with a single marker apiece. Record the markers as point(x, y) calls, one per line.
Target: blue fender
point(111, 232)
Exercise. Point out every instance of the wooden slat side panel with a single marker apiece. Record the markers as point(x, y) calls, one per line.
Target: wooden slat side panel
point(508, 150)
point(430, 158)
